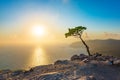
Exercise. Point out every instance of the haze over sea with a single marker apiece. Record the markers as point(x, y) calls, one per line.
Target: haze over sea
point(24, 57)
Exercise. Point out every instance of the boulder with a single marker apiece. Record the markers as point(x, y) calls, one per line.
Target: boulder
point(59, 62)
point(75, 57)
point(51, 76)
point(17, 72)
point(91, 78)
point(117, 62)
point(101, 58)
point(108, 57)
point(6, 71)
point(85, 60)
point(97, 54)
point(88, 78)
point(91, 58)
point(82, 56)
point(108, 62)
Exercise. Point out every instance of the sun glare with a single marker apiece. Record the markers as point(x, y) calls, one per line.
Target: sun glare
point(38, 30)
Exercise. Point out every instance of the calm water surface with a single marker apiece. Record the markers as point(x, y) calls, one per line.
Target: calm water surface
point(24, 57)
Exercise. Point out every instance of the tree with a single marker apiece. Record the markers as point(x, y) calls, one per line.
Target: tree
point(77, 31)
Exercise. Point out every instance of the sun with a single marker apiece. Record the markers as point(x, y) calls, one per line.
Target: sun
point(38, 30)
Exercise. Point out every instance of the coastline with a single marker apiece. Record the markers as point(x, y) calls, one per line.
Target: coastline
point(83, 67)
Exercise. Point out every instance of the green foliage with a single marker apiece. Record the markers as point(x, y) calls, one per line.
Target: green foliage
point(77, 31)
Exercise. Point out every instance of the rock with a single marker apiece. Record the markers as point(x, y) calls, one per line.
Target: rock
point(91, 78)
point(77, 69)
point(4, 74)
point(61, 62)
point(75, 57)
point(82, 56)
point(108, 62)
point(100, 58)
point(31, 70)
point(6, 71)
point(106, 57)
point(97, 54)
point(92, 65)
point(91, 58)
point(15, 73)
point(109, 57)
point(26, 73)
point(85, 60)
point(117, 62)
point(87, 78)
point(51, 76)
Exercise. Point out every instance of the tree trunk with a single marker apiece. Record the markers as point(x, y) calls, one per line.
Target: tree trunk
point(87, 48)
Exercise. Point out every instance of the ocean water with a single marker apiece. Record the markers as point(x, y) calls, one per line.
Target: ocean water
point(25, 57)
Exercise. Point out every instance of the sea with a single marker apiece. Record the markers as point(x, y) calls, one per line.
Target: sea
point(15, 57)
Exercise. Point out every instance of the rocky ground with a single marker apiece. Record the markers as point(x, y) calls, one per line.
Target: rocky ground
point(80, 67)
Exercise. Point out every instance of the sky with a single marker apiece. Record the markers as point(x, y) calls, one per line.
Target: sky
point(17, 17)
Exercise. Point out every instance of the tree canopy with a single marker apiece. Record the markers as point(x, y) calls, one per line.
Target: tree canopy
point(75, 31)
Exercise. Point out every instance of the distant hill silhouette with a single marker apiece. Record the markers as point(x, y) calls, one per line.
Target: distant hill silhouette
point(109, 46)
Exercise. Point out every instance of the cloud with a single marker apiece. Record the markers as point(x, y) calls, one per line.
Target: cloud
point(104, 35)
point(111, 35)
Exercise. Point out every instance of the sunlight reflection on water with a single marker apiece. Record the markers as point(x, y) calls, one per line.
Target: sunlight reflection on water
point(25, 57)
point(38, 57)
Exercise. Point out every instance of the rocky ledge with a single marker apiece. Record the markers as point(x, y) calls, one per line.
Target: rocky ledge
point(80, 67)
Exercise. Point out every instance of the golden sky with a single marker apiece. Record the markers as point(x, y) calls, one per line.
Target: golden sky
point(18, 19)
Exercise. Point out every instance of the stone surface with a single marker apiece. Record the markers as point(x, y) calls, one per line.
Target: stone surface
point(75, 57)
point(80, 67)
point(61, 62)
